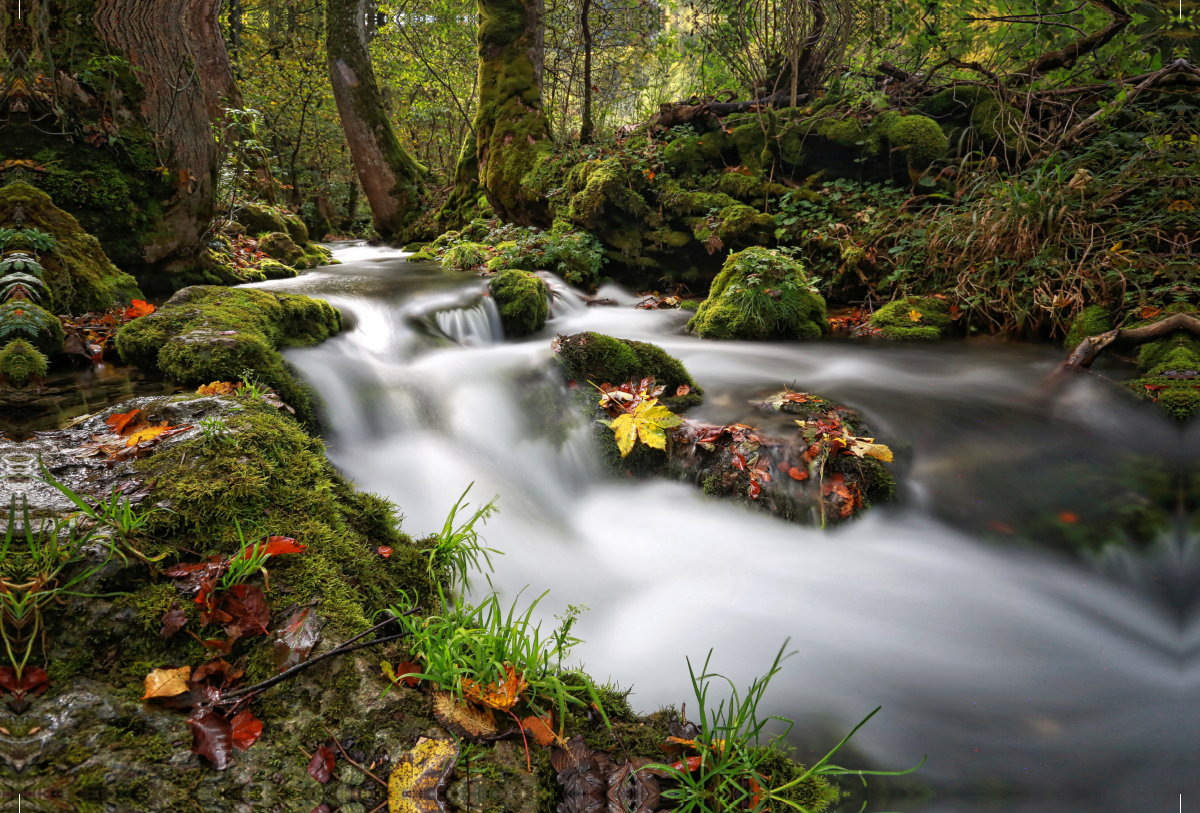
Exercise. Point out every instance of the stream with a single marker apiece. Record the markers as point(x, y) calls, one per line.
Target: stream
point(1035, 677)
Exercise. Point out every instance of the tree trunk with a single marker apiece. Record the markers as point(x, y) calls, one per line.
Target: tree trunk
point(463, 204)
point(586, 127)
point(389, 176)
point(128, 94)
point(511, 128)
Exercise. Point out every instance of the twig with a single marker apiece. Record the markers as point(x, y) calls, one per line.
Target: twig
point(352, 762)
point(341, 649)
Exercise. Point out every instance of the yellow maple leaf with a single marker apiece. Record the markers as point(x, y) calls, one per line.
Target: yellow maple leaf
point(499, 695)
point(915, 315)
point(167, 682)
point(646, 423)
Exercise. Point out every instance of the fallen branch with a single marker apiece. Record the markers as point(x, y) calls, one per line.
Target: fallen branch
point(340, 649)
point(1087, 350)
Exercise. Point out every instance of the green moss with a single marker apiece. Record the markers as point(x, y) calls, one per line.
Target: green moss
point(20, 363)
point(760, 294)
point(422, 257)
point(849, 133)
point(737, 185)
point(523, 301)
point(596, 358)
point(1091, 321)
point(77, 272)
point(920, 138)
point(206, 334)
point(814, 794)
point(607, 187)
point(279, 246)
point(895, 318)
point(318, 255)
point(744, 223)
point(750, 141)
point(465, 256)
point(695, 154)
point(273, 269)
point(260, 219)
point(21, 319)
point(296, 229)
point(273, 478)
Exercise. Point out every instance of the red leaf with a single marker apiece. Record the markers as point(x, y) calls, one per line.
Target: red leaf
point(755, 489)
point(275, 545)
point(172, 622)
point(384, 551)
point(320, 767)
point(246, 729)
point(797, 474)
point(693, 764)
point(296, 640)
point(739, 461)
point(408, 666)
point(212, 737)
point(138, 308)
point(249, 611)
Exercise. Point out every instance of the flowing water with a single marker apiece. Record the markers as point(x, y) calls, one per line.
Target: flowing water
point(1035, 679)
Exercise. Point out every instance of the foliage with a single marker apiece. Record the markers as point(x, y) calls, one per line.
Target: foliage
point(457, 549)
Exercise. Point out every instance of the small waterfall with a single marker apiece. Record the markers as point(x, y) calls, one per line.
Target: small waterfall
point(477, 325)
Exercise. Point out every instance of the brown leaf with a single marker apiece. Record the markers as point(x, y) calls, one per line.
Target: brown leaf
point(463, 718)
point(501, 695)
point(797, 474)
point(542, 728)
point(167, 682)
point(320, 767)
point(249, 610)
point(212, 737)
point(172, 622)
point(246, 729)
point(681, 390)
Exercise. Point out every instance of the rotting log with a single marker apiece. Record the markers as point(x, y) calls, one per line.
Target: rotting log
point(1087, 350)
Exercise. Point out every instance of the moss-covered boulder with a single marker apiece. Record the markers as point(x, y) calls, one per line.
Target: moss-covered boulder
point(920, 139)
point(273, 269)
point(593, 358)
point(422, 257)
point(295, 228)
point(259, 219)
point(523, 301)
point(318, 255)
point(206, 333)
point(912, 317)
point(20, 363)
point(1169, 374)
point(279, 246)
point(24, 320)
point(1091, 321)
point(760, 294)
point(77, 272)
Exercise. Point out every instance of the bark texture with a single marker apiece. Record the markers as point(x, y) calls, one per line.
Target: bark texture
point(511, 127)
point(390, 177)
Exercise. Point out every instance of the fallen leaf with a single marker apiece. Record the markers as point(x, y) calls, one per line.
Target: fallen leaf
point(681, 390)
point(500, 695)
point(320, 767)
point(419, 774)
point(463, 718)
point(118, 422)
point(542, 728)
point(212, 737)
point(272, 546)
point(384, 551)
point(172, 622)
point(34, 679)
point(294, 643)
point(246, 729)
point(646, 423)
point(1069, 517)
point(403, 673)
point(693, 764)
point(149, 433)
point(797, 474)
point(217, 388)
point(167, 682)
point(914, 315)
point(138, 308)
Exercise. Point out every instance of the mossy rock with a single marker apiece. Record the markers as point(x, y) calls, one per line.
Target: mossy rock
point(422, 257)
point(206, 333)
point(259, 219)
point(597, 358)
point(20, 363)
point(523, 301)
point(273, 269)
point(279, 246)
point(1091, 321)
point(24, 320)
point(318, 255)
point(895, 319)
point(295, 228)
point(745, 224)
point(77, 271)
point(920, 138)
point(760, 294)
point(605, 185)
point(465, 256)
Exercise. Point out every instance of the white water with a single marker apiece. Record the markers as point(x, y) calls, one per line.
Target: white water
point(1056, 683)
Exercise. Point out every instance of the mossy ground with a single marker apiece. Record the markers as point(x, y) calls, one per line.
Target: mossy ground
point(206, 333)
point(523, 301)
point(21, 362)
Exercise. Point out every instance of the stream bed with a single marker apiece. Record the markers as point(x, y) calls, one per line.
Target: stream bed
point(1036, 674)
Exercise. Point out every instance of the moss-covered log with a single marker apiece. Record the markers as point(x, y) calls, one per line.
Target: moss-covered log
point(390, 177)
